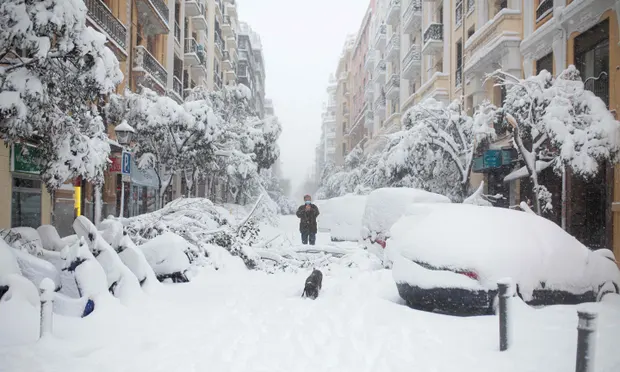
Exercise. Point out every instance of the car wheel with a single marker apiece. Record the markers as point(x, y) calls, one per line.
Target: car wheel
point(605, 289)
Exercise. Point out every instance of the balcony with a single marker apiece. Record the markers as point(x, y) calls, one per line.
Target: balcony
point(392, 88)
point(331, 134)
point(231, 74)
point(177, 90)
point(393, 13)
point(458, 77)
point(380, 106)
point(412, 18)
point(369, 63)
point(219, 13)
point(200, 21)
point(219, 45)
point(369, 90)
point(490, 42)
point(380, 37)
point(226, 26)
point(392, 51)
point(150, 72)
point(199, 71)
point(153, 16)
point(412, 63)
point(100, 16)
point(380, 70)
point(226, 61)
point(231, 8)
point(433, 39)
point(436, 87)
point(191, 52)
point(177, 32)
point(192, 8)
point(231, 41)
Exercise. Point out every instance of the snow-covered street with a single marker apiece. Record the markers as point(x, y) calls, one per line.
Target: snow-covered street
point(239, 320)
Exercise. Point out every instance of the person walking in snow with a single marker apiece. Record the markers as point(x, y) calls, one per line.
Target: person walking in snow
point(307, 214)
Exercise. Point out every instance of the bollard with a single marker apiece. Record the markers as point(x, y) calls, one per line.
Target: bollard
point(46, 290)
point(586, 333)
point(503, 287)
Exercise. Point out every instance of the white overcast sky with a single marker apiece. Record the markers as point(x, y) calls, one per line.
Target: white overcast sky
point(302, 41)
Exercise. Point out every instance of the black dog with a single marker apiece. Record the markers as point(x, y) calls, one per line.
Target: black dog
point(313, 285)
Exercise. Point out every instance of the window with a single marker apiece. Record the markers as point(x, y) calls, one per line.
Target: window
point(344, 149)
point(458, 78)
point(471, 32)
point(545, 63)
point(592, 59)
point(26, 202)
point(440, 14)
point(459, 13)
point(544, 8)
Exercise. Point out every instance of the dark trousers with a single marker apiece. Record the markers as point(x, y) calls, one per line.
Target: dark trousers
point(308, 236)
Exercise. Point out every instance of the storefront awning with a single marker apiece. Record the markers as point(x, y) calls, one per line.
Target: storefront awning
point(522, 172)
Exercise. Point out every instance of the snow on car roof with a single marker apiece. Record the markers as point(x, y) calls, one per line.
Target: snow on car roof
point(385, 206)
point(497, 243)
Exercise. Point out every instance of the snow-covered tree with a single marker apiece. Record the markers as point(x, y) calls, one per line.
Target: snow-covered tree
point(170, 138)
point(435, 151)
point(557, 122)
point(54, 72)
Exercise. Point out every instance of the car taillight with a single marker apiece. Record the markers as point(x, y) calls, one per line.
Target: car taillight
point(470, 274)
point(381, 243)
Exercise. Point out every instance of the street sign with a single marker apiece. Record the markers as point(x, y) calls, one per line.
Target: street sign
point(126, 163)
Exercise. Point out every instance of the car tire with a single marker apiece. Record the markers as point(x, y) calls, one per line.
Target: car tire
point(605, 289)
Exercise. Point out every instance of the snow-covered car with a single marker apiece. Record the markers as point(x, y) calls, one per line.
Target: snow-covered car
point(449, 258)
point(342, 216)
point(384, 207)
point(167, 255)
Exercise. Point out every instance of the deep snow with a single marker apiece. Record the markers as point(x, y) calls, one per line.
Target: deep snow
point(239, 320)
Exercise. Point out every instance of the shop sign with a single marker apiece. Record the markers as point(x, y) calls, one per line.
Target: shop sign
point(115, 167)
point(25, 159)
point(492, 159)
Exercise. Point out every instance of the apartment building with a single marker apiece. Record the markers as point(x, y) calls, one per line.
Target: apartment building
point(326, 150)
point(343, 100)
point(251, 67)
point(168, 46)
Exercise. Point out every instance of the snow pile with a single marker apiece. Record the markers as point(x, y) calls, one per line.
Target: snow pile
point(50, 239)
point(385, 206)
point(342, 216)
point(496, 243)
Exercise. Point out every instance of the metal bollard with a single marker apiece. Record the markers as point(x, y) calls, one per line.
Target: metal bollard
point(586, 336)
point(46, 290)
point(504, 295)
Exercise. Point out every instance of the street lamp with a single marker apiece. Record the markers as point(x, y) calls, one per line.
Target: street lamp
point(124, 135)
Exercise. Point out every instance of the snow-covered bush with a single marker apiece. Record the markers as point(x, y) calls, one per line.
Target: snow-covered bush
point(557, 122)
point(55, 70)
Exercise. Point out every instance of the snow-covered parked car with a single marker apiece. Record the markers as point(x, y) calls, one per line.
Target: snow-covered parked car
point(342, 216)
point(449, 258)
point(167, 255)
point(384, 207)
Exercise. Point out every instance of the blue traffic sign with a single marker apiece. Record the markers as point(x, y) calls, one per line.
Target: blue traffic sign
point(126, 163)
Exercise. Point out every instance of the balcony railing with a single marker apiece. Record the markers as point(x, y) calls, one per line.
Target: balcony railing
point(393, 45)
point(458, 77)
point(393, 82)
point(415, 6)
point(434, 32)
point(177, 32)
point(413, 55)
point(177, 86)
point(543, 8)
point(145, 61)
point(162, 8)
point(191, 46)
point(100, 13)
point(599, 86)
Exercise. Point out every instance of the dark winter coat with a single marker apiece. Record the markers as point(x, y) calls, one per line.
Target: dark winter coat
point(307, 223)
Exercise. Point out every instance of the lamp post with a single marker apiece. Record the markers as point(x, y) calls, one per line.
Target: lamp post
point(124, 135)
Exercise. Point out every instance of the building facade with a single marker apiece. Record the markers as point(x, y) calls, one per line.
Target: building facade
point(444, 49)
point(251, 67)
point(169, 46)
